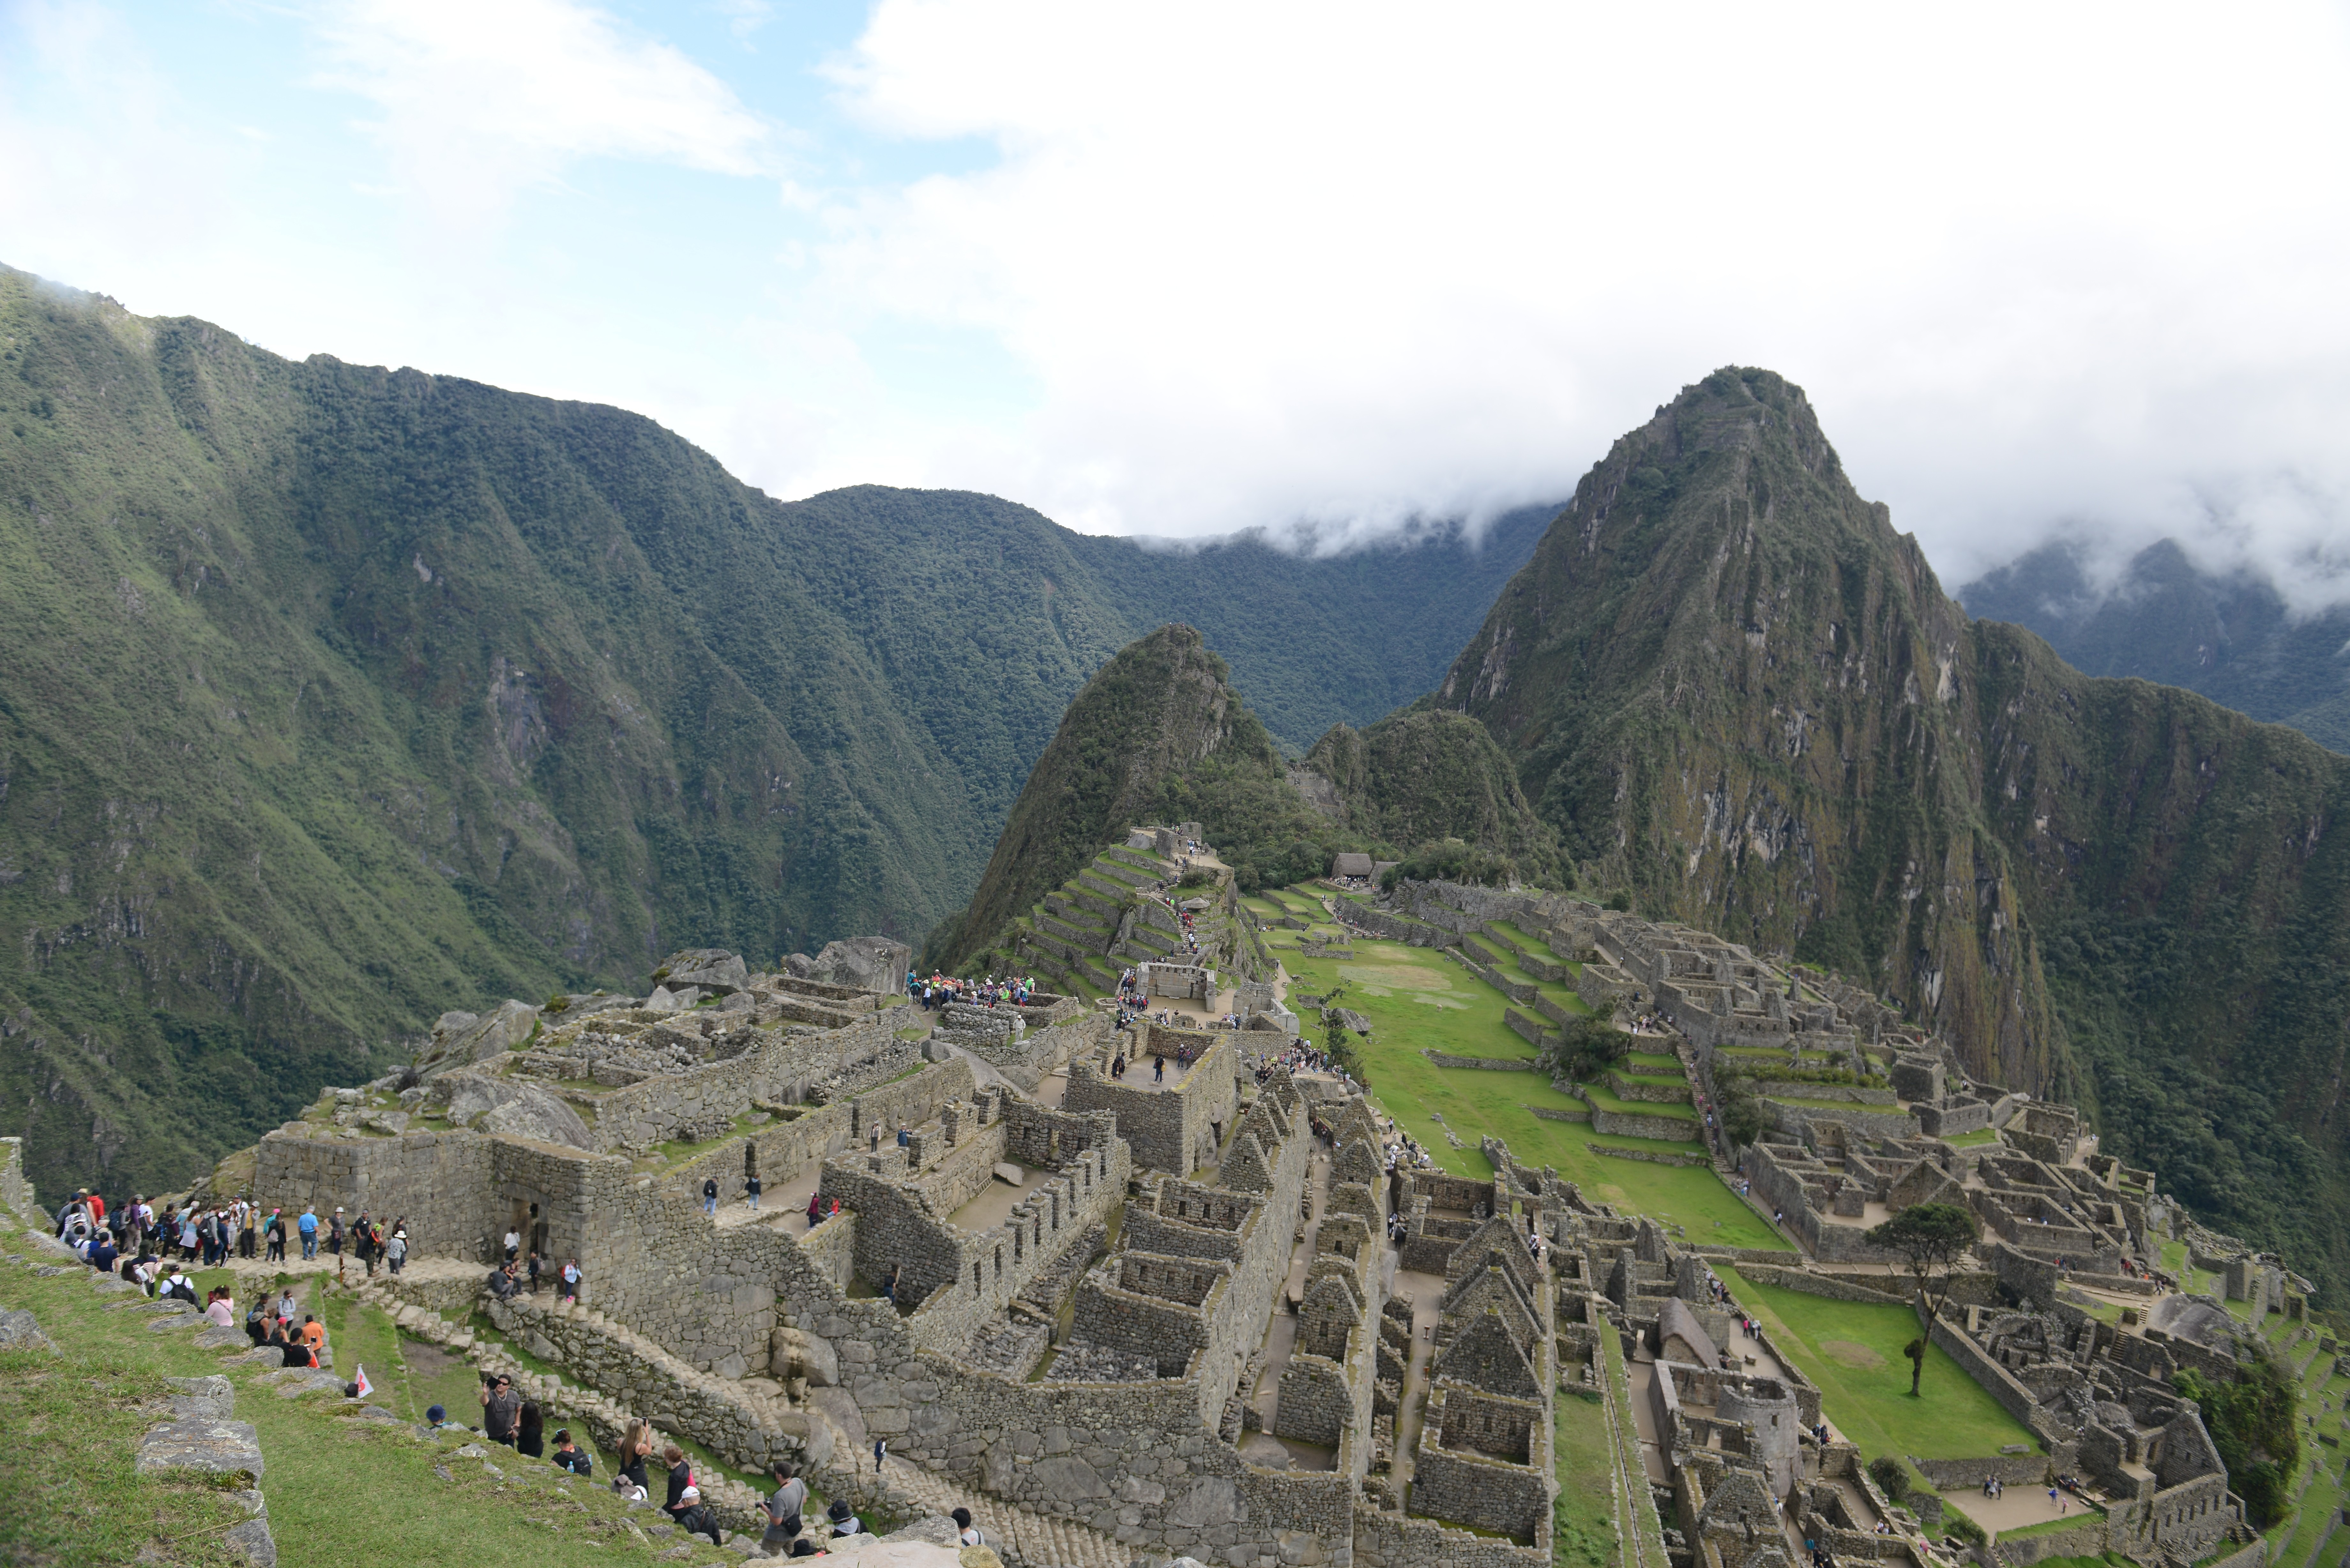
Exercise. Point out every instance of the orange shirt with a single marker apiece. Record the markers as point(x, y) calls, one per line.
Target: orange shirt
point(313, 1333)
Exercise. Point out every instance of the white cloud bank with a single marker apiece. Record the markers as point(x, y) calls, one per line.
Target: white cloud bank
point(2035, 264)
point(1181, 271)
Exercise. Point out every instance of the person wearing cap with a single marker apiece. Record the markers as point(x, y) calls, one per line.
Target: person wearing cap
point(437, 1417)
point(395, 1251)
point(844, 1519)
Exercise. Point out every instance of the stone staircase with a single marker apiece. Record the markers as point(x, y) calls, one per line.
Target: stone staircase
point(1022, 1538)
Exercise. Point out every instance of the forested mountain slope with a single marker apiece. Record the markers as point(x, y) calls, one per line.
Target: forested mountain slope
point(332, 698)
point(1728, 684)
point(2230, 637)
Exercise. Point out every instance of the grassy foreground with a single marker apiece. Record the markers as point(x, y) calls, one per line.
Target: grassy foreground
point(340, 1489)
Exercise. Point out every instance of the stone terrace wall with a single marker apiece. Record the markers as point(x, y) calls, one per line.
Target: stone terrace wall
point(783, 1068)
point(1619, 1124)
point(440, 1181)
point(1392, 1541)
point(996, 1264)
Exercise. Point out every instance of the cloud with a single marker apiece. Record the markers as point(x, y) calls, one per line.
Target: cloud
point(480, 100)
point(1359, 262)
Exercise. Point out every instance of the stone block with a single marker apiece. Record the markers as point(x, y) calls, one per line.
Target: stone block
point(202, 1444)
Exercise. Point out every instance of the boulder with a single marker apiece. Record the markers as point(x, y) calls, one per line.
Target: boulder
point(711, 969)
point(1011, 1173)
point(869, 963)
point(799, 966)
point(204, 1444)
point(457, 1044)
point(213, 1397)
point(517, 1107)
point(796, 1352)
point(21, 1330)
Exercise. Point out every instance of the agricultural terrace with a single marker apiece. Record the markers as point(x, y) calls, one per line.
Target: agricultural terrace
point(1418, 999)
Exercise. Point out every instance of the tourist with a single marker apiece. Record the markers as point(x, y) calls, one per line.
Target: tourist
point(751, 1192)
point(635, 1448)
point(363, 1244)
point(500, 1406)
point(569, 1457)
point(274, 1233)
point(244, 1227)
point(221, 1311)
point(880, 1453)
point(530, 1431)
point(296, 1351)
point(709, 1197)
point(308, 1226)
point(512, 1243)
point(313, 1334)
point(815, 1208)
point(287, 1306)
point(844, 1522)
point(680, 1482)
point(968, 1533)
point(501, 1281)
point(571, 1277)
point(1117, 1066)
point(784, 1505)
point(534, 1270)
point(1159, 1065)
point(335, 1232)
point(395, 1251)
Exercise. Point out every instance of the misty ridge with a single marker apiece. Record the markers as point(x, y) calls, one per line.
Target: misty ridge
point(2157, 615)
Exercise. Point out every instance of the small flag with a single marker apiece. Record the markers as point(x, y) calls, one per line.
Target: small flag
point(365, 1386)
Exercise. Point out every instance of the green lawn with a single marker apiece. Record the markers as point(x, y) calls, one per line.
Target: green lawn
point(1584, 1518)
point(1414, 999)
point(1652, 1061)
point(1535, 947)
point(1969, 1140)
point(1852, 1351)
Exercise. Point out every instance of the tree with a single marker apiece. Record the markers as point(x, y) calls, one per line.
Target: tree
point(1932, 1236)
point(2254, 1422)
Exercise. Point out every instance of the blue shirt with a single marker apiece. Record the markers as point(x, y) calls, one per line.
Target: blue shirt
point(309, 1224)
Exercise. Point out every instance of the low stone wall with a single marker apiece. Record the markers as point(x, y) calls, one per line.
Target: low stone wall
point(1529, 1030)
point(1385, 1540)
point(1558, 1114)
point(650, 1382)
point(2086, 1539)
point(1794, 1120)
point(1651, 1155)
point(1811, 1284)
point(1392, 928)
point(1957, 1476)
point(1997, 1381)
point(1669, 1129)
point(1648, 1091)
point(1482, 1063)
point(1849, 1093)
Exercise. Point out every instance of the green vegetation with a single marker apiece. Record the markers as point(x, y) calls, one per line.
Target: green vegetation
point(1416, 998)
point(1436, 780)
point(1853, 1352)
point(1583, 1519)
point(468, 694)
point(2178, 968)
point(2254, 1422)
point(339, 1490)
point(1930, 1237)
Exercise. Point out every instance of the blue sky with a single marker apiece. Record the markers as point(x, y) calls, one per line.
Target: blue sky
point(1183, 271)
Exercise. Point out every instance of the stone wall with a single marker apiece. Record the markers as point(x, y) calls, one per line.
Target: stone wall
point(1482, 1063)
point(1621, 1124)
point(1172, 1129)
point(15, 1190)
point(1966, 1475)
point(2085, 1539)
point(784, 1068)
point(438, 1181)
point(1393, 1540)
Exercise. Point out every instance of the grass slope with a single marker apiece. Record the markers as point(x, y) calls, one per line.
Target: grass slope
point(339, 1490)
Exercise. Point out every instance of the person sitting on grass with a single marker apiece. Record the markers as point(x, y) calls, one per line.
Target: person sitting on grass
point(437, 1417)
point(576, 1459)
point(685, 1499)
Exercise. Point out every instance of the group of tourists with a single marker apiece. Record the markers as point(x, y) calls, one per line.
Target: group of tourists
point(1010, 991)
